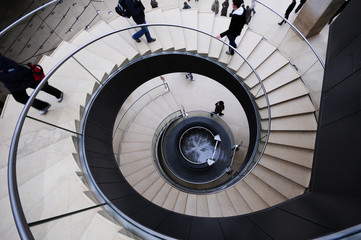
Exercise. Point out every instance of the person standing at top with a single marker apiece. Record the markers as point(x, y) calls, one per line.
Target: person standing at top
point(136, 10)
point(236, 25)
point(186, 6)
point(18, 78)
point(225, 6)
point(288, 11)
point(215, 7)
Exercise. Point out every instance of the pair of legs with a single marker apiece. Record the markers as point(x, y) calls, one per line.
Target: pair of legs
point(23, 97)
point(143, 30)
point(232, 42)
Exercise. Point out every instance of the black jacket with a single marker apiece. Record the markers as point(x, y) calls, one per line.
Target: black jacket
point(14, 76)
point(236, 25)
point(136, 10)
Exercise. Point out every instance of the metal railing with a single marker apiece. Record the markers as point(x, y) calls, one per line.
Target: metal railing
point(13, 189)
point(18, 213)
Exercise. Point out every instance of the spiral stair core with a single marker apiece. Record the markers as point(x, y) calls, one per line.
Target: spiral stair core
point(52, 182)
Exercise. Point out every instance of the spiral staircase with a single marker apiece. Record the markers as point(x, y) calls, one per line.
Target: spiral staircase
point(53, 187)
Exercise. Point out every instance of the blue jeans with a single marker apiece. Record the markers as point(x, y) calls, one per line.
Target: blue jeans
point(232, 43)
point(143, 30)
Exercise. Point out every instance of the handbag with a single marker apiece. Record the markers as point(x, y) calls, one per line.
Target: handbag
point(38, 71)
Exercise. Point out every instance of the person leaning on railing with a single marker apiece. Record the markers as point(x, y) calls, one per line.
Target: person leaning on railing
point(18, 78)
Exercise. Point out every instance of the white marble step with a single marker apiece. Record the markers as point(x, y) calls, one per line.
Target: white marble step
point(263, 50)
point(163, 34)
point(281, 185)
point(126, 158)
point(225, 58)
point(115, 40)
point(215, 47)
point(100, 47)
point(263, 189)
point(296, 139)
point(134, 167)
point(146, 181)
point(170, 201)
point(271, 65)
point(100, 226)
point(120, 23)
point(181, 202)
point(141, 128)
point(8, 228)
point(154, 46)
point(205, 23)
point(137, 138)
point(254, 201)
point(127, 147)
point(278, 79)
point(238, 202)
point(249, 42)
point(292, 107)
point(289, 91)
point(54, 192)
point(299, 156)
point(93, 63)
point(291, 123)
point(152, 192)
point(173, 16)
point(162, 193)
point(190, 19)
point(226, 204)
point(70, 227)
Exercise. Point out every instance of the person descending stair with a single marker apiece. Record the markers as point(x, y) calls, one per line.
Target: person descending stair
point(18, 78)
point(236, 25)
point(288, 11)
point(136, 10)
point(219, 107)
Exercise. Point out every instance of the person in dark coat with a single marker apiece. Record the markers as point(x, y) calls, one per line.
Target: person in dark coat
point(300, 6)
point(236, 25)
point(186, 6)
point(136, 10)
point(18, 78)
point(225, 6)
point(219, 107)
point(288, 11)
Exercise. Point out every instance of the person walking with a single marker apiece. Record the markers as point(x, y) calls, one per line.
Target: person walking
point(300, 6)
point(219, 107)
point(248, 12)
point(253, 5)
point(236, 25)
point(215, 7)
point(288, 11)
point(190, 76)
point(186, 6)
point(18, 78)
point(136, 10)
point(225, 6)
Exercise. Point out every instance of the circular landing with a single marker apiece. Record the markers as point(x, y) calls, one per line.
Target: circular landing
point(194, 153)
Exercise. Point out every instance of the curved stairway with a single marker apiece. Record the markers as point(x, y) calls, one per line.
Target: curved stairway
point(50, 180)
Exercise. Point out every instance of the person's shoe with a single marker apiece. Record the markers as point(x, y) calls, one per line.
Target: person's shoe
point(221, 114)
point(151, 40)
point(280, 23)
point(60, 98)
point(212, 114)
point(229, 53)
point(186, 76)
point(45, 110)
point(137, 40)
